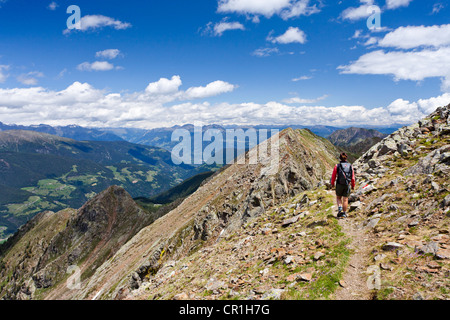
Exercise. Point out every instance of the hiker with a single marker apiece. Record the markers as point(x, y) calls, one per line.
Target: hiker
point(344, 177)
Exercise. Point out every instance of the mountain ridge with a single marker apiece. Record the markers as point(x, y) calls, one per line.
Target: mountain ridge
point(353, 135)
point(72, 131)
point(89, 237)
point(356, 140)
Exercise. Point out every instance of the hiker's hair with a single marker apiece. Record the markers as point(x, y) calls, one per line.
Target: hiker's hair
point(343, 156)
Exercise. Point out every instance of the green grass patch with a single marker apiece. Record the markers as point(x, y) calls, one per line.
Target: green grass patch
point(330, 269)
point(384, 293)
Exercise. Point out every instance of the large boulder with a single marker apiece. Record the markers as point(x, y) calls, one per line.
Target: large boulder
point(388, 146)
point(428, 164)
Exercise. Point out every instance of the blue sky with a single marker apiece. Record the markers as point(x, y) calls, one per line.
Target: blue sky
point(160, 63)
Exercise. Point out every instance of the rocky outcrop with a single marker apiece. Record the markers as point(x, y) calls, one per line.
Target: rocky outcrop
point(22, 253)
point(87, 239)
point(437, 161)
point(404, 143)
point(101, 227)
point(409, 142)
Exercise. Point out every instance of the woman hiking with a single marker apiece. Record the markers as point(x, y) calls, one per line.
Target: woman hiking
point(344, 177)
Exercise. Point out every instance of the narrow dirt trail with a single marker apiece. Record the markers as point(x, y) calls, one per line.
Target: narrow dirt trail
point(355, 277)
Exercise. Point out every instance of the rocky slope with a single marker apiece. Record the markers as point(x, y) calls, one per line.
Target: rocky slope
point(22, 253)
point(353, 135)
point(57, 241)
point(295, 250)
point(403, 204)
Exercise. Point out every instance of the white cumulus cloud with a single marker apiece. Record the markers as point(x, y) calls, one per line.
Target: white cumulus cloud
point(95, 66)
point(414, 65)
point(416, 36)
point(422, 53)
point(93, 22)
point(108, 54)
point(357, 13)
point(394, 4)
point(292, 35)
point(221, 27)
point(367, 8)
point(164, 86)
point(218, 29)
point(212, 89)
point(284, 8)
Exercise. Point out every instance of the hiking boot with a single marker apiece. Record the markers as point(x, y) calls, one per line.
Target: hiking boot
point(342, 215)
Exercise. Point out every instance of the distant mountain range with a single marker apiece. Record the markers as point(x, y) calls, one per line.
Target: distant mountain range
point(161, 137)
point(71, 132)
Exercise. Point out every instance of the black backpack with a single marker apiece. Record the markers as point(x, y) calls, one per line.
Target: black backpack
point(345, 173)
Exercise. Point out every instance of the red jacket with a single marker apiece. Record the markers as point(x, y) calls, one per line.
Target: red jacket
point(333, 177)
